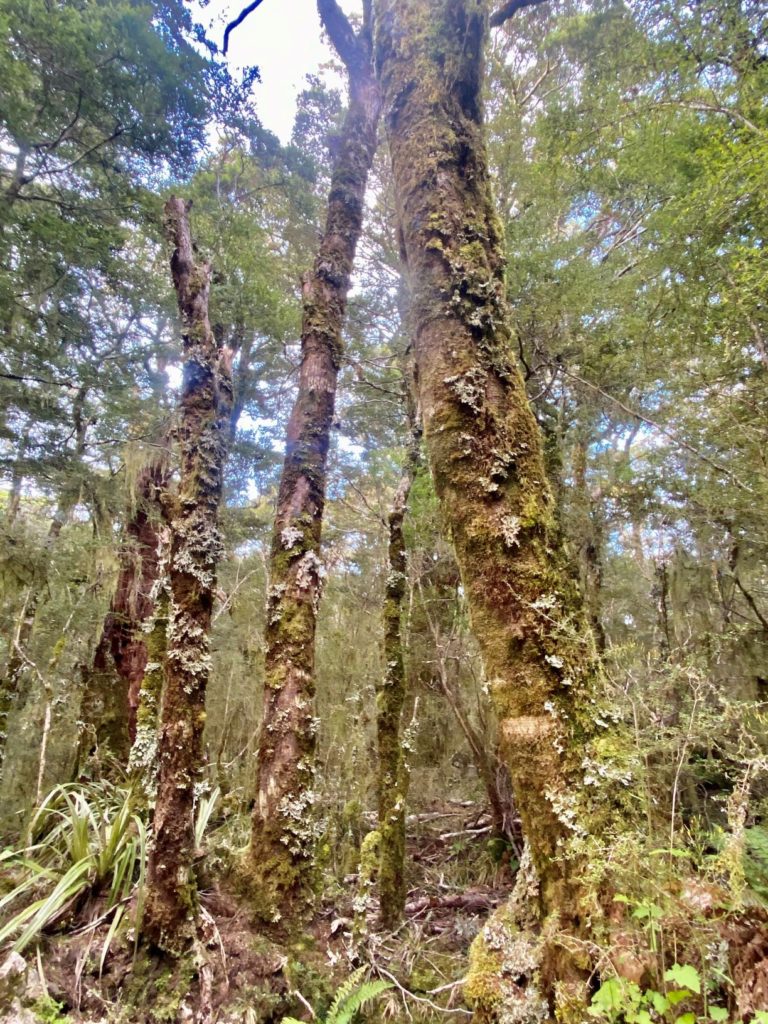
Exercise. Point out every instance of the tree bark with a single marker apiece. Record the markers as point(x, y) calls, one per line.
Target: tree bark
point(393, 772)
point(192, 516)
point(281, 856)
point(486, 456)
point(111, 693)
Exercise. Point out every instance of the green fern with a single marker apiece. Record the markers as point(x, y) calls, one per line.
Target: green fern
point(353, 994)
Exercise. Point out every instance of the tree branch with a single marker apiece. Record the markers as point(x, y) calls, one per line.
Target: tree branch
point(342, 35)
point(505, 13)
point(238, 21)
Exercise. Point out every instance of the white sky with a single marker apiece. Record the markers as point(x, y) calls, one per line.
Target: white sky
point(283, 38)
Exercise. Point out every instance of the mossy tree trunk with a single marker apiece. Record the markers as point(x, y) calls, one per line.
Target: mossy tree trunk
point(142, 762)
point(393, 772)
point(280, 861)
point(195, 549)
point(486, 457)
point(111, 693)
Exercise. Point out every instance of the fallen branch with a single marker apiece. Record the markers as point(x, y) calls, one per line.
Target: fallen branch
point(469, 901)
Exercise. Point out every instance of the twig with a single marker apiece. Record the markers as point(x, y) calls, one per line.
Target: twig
point(662, 430)
point(420, 999)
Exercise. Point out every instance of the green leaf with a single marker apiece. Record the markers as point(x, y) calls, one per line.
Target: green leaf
point(718, 1013)
point(641, 1017)
point(684, 975)
point(609, 998)
point(678, 995)
point(660, 1003)
point(687, 1018)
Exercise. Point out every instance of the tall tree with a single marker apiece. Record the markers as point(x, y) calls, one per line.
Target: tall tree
point(486, 456)
point(206, 402)
point(281, 855)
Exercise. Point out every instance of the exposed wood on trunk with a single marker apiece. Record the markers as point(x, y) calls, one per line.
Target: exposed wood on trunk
point(206, 401)
point(282, 846)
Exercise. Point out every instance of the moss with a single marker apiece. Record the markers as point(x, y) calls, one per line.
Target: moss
point(486, 454)
point(368, 870)
point(502, 979)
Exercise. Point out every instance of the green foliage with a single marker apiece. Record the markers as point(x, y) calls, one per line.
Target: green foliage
point(756, 860)
point(618, 999)
point(49, 1011)
point(85, 840)
point(353, 994)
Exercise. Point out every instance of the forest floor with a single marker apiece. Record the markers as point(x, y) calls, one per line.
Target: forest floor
point(457, 875)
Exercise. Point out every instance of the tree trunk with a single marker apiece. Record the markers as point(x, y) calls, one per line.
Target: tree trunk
point(393, 773)
point(111, 694)
point(142, 762)
point(206, 401)
point(485, 453)
point(281, 857)
point(589, 542)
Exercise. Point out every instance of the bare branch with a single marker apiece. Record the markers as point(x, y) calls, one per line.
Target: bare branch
point(342, 35)
point(238, 21)
point(505, 13)
point(674, 438)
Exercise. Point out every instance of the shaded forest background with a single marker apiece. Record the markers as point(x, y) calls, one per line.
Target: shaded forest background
point(628, 147)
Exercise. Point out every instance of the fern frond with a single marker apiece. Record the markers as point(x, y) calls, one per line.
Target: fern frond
point(345, 991)
point(357, 999)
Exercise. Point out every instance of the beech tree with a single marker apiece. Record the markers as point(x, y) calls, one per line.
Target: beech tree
point(281, 854)
point(486, 456)
point(192, 514)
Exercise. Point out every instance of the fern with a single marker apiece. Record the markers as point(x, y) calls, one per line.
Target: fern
point(353, 994)
point(364, 994)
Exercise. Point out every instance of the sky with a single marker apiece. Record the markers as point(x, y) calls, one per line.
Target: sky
point(283, 38)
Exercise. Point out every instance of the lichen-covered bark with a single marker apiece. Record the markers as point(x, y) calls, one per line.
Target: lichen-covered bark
point(393, 773)
point(486, 456)
point(111, 693)
point(206, 400)
point(142, 763)
point(280, 861)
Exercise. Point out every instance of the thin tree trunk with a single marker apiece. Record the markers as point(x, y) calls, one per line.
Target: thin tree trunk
point(393, 773)
point(485, 452)
point(281, 857)
point(206, 401)
point(12, 693)
point(589, 543)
